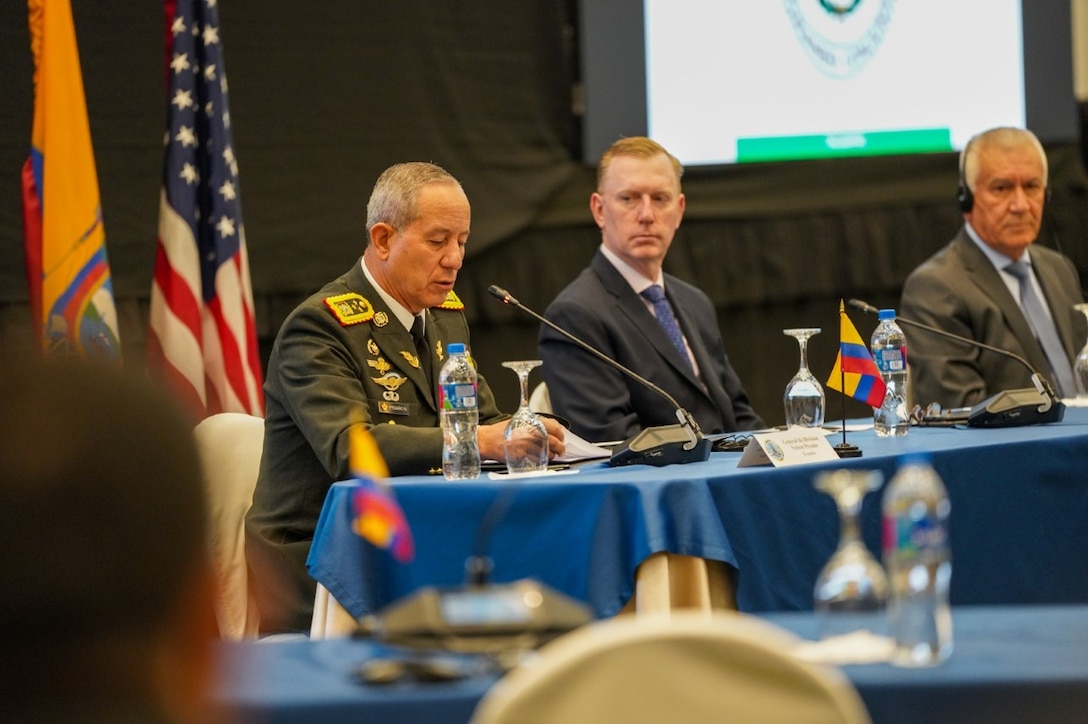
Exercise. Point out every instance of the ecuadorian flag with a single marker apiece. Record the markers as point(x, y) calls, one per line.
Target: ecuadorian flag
point(378, 518)
point(71, 294)
point(855, 374)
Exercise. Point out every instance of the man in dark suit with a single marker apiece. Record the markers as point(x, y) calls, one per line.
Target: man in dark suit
point(972, 288)
point(624, 305)
point(348, 353)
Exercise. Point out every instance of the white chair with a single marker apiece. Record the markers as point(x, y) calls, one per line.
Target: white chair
point(690, 667)
point(230, 447)
point(540, 400)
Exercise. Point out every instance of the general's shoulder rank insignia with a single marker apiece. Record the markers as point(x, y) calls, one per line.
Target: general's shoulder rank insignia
point(451, 302)
point(350, 308)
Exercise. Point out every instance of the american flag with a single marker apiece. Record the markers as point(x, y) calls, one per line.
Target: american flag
point(202, 338)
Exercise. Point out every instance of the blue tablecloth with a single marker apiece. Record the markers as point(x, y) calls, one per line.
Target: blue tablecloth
point(1009, 664)
point(1018, 526)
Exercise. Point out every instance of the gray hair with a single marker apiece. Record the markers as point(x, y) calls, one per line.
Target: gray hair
point(393, 200)
point(1006, 137)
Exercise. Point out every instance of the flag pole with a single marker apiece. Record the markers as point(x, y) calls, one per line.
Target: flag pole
point(844, 449)
point(842, 381)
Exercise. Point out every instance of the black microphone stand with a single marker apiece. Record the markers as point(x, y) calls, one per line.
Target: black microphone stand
point(661, 445)
point(1009, 408)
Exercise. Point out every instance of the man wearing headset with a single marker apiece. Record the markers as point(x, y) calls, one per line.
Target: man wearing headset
point(991, 283)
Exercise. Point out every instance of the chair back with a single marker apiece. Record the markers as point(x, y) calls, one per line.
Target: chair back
point(686, 666)
point(540, 400)
point(230, 447)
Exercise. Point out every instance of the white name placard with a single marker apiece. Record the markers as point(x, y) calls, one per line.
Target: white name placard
point(795, 446)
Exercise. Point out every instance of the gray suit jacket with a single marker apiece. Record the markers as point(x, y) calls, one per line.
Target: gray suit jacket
point(958, 290)
point(322, 374)
point(601, 403)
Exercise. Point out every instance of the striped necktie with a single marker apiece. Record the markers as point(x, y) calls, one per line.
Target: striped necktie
point(1045, 330)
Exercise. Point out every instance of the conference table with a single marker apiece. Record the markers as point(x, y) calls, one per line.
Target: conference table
point(1009, 664)
point(1019, 524)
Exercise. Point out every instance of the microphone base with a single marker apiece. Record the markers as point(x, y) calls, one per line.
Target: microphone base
point(1015, 408)
point(485, 618)
point(660, 446)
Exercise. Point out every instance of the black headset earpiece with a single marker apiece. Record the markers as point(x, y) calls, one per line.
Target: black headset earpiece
point(964, 197)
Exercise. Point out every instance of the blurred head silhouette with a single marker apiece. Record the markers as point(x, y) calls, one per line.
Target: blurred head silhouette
point(107, 610)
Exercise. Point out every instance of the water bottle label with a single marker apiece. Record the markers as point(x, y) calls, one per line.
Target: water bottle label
point(457, 396)
point(909, 537)
point(892, 359)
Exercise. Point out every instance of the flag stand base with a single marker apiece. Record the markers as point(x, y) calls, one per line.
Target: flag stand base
point(846, 450)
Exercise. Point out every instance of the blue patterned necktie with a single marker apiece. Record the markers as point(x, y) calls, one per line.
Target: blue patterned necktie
point(667, 320)
point(1045, 330)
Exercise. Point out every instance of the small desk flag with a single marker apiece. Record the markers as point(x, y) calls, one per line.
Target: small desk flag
point(855, 373)
point(378, 518)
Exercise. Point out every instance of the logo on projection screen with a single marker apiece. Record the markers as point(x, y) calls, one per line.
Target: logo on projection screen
point(840, 36)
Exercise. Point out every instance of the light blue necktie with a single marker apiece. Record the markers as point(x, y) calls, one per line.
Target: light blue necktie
point(1045, 330)
point(667, 320)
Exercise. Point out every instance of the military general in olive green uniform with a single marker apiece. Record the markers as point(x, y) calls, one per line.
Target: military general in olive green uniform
point(348, 353)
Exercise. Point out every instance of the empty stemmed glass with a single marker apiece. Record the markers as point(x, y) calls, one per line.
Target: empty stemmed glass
point(852, 589)
point(804, 397)
point(526, 439)
point(1080, 364)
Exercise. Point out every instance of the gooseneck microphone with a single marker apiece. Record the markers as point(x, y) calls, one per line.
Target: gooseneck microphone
point(1009, 408)
point(661, 445)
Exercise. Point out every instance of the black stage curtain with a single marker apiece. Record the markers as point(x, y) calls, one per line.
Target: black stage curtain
point(324, 96)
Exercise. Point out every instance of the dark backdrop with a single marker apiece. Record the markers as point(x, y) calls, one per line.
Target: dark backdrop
point(326, 95)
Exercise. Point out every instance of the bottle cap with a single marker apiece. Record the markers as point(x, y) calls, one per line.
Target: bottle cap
point(456, 348)
point(886, 314)
point(914, 458)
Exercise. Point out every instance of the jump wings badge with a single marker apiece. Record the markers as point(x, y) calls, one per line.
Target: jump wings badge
point(380, 365)
point(391, 381)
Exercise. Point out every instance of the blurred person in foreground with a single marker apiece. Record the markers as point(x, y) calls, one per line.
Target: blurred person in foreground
point(618, 304)
point(993, 284)
point(108, 603)
point(367, 346)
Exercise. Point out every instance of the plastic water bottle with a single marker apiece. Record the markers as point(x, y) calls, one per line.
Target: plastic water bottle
point(889, 346)
point(460, 416)
point(919, 564)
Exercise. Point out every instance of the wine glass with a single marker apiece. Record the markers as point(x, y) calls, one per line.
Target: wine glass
point(526, 438)
point(852, 589)
point(1080, 364)
point(804, 398)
